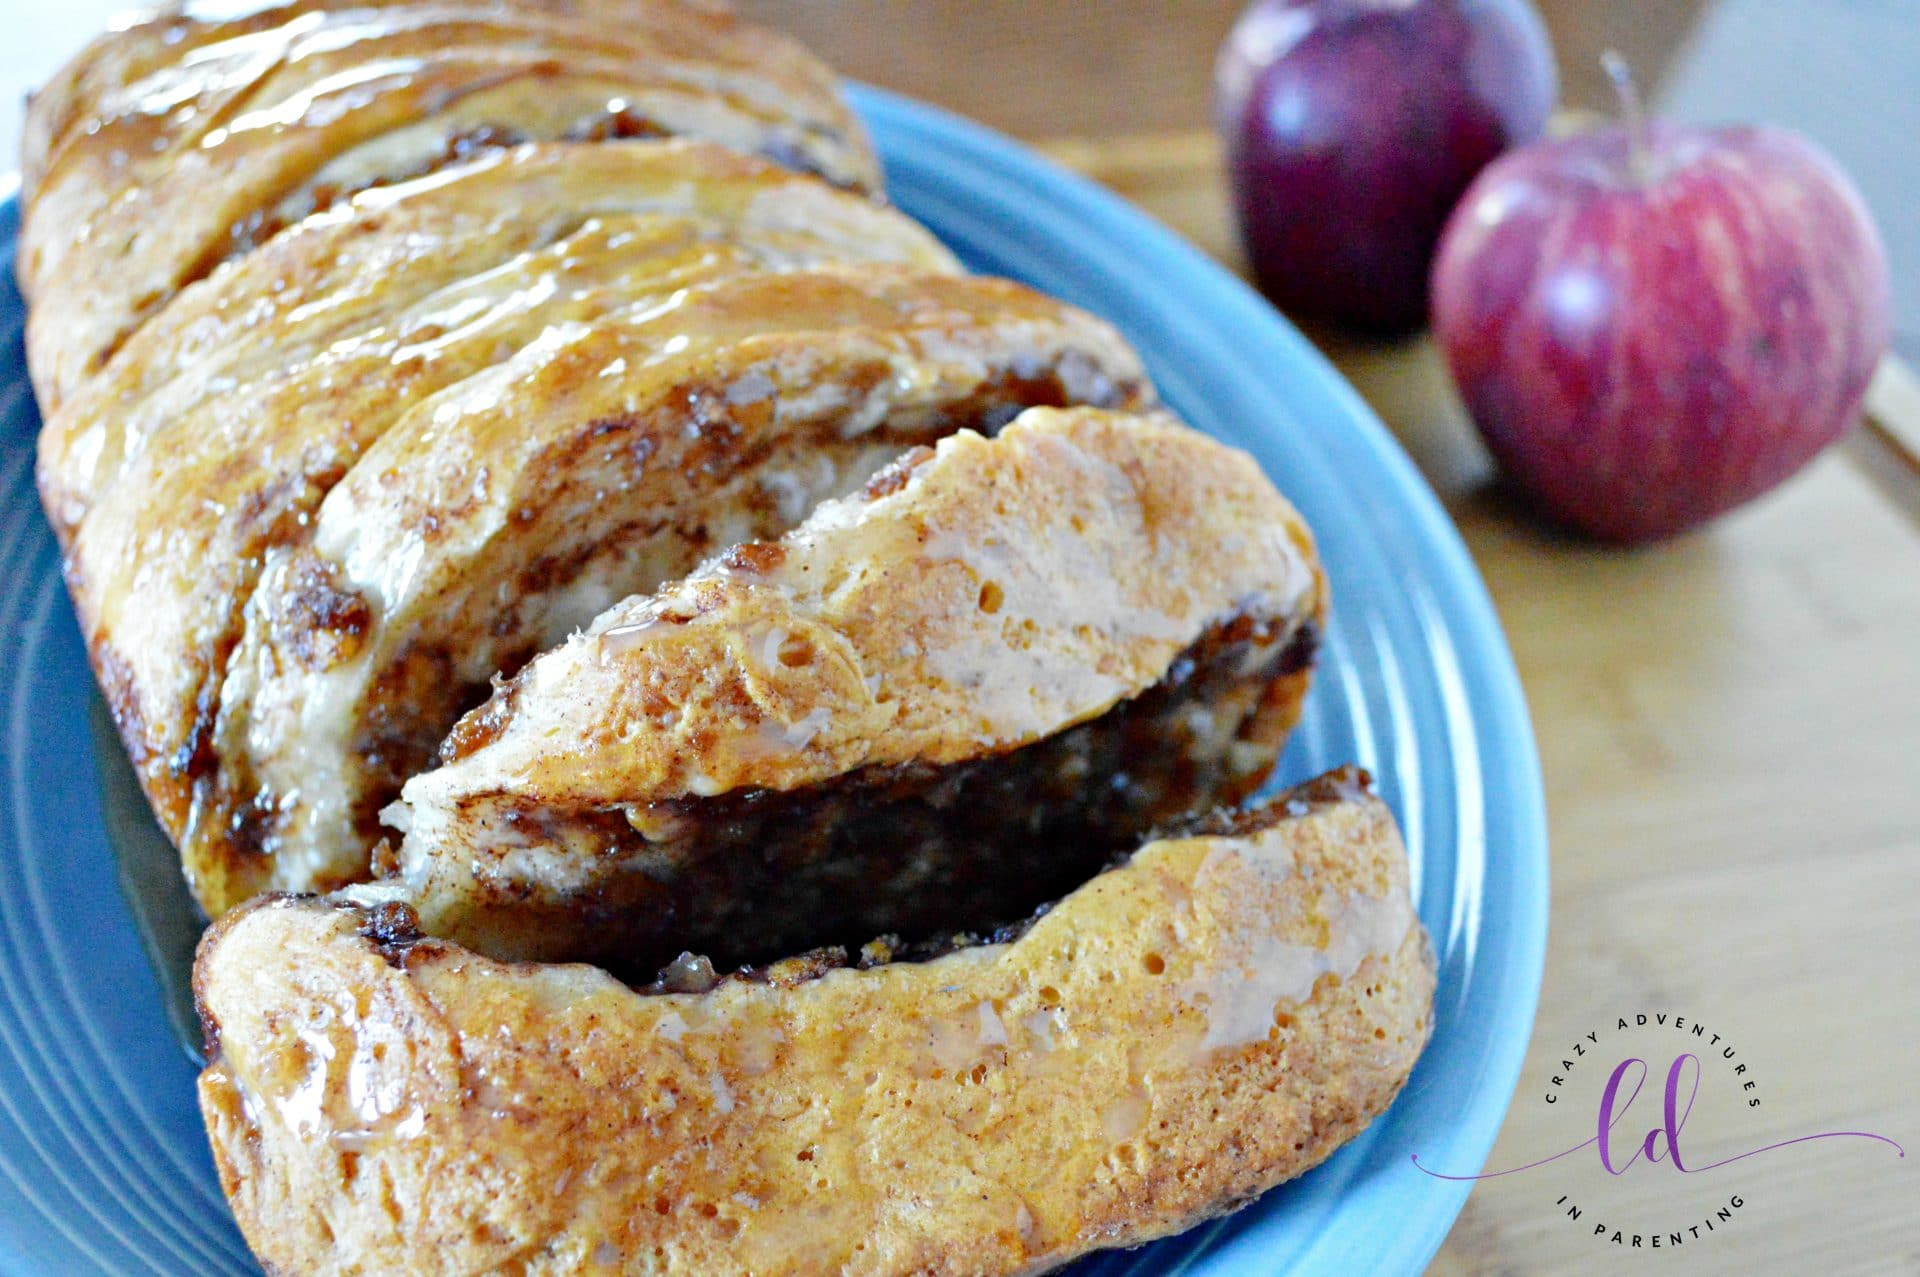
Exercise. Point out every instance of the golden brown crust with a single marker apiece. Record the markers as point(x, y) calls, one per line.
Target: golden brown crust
point(1213, 1016)
point(989, 596)
point(224, 134)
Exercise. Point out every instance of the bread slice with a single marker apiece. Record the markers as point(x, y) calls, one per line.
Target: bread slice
point(1214, 1015)
point(966, 685)
point(406, 288)
point(223, 132)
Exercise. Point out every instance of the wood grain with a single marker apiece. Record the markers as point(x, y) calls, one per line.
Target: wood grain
point(1730, 729)
point(1054, 68)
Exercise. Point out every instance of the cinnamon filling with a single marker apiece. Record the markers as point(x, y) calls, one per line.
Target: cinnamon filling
point(918, 850)
point(394, 929)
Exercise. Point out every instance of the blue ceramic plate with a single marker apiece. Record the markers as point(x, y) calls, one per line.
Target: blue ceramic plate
point(103, 1167)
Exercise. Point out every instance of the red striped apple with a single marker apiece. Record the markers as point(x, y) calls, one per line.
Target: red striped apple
point(1654, 324)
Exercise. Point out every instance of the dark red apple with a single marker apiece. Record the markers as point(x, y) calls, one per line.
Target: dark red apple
point(1652, 325)
point(1352, 127)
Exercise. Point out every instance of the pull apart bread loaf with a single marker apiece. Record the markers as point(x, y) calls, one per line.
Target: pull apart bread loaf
point(515, 473)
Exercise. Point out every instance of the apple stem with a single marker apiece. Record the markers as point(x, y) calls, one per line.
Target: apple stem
point(1632, 114)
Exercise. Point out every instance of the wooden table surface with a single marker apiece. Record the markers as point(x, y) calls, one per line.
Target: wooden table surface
point(1729, 724)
